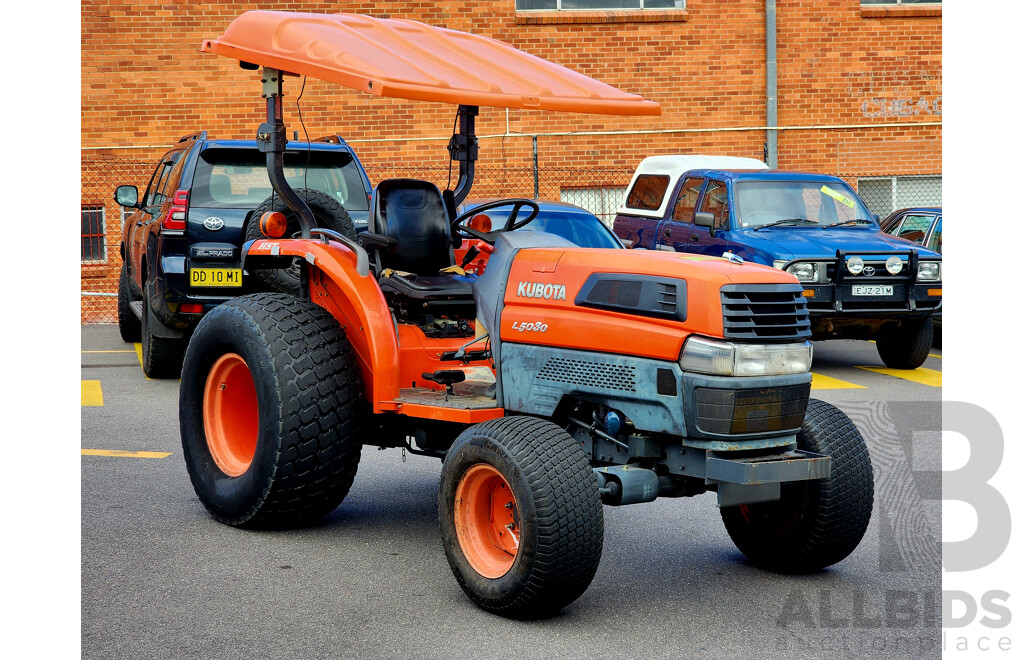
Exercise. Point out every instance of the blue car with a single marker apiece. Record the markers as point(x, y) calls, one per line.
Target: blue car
point(859, 282)
point(922, 225)
point(566, 220)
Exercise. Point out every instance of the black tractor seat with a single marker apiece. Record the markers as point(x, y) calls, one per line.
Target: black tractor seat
point(410, 235)
point(448, 287)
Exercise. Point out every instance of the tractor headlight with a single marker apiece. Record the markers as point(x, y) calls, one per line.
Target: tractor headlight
point(805, 272)
point(929, 271)
point(721, 358)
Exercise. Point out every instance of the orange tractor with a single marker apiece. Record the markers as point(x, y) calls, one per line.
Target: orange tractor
point(559, 380)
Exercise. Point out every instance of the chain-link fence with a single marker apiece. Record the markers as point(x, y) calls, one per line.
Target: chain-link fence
point(599, 190)
point(102, 224)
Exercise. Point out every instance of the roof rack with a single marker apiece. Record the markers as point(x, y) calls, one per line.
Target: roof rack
point(330, 139)
point(198, 135)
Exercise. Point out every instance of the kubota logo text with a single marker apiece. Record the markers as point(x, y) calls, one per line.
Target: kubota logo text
point(541, 290)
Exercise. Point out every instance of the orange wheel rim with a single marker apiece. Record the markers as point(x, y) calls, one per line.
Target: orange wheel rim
point(231, 415)
point(487, 521)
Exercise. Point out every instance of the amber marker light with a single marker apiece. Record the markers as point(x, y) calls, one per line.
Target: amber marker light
point(935, 292)
point(273, 224)
point(480, 222)
point(808, 293)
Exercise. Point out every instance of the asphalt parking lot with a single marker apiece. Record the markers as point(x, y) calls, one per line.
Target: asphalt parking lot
point(161, 578)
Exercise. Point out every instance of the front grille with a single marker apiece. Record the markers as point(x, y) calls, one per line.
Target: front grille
point(584, 372)
point(753, 410)
point(765, 312)
point(875, 267)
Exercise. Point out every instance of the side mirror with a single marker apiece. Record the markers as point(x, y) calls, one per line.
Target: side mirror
point(704, 219)
point(127, 196)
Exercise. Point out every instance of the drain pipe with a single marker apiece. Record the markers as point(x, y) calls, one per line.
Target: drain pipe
point(771, 144)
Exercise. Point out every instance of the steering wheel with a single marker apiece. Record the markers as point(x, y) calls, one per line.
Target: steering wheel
point(460, 223)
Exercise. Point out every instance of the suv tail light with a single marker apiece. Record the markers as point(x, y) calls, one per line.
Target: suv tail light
point(175, 218)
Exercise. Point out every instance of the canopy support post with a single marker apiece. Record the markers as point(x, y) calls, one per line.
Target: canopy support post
point(272, 140)
point(463, 147)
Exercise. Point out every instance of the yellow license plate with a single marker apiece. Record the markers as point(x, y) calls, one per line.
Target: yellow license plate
point(219, 277)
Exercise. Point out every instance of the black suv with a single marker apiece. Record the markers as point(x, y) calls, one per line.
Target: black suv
point(182, 243)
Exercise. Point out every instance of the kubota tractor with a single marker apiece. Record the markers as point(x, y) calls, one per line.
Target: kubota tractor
point(560, 380)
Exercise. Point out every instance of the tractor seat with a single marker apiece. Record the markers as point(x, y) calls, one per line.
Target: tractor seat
point(410, 233)
point(428, 287)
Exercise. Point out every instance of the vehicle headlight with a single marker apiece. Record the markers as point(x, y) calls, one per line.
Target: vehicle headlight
point(721, 358)
point(805, 272)
point(894, 265)
point(929, 271)
point(855, 265)
point(780, 263)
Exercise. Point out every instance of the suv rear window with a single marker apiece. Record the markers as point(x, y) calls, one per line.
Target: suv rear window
point(647, 192)
point(237, 178)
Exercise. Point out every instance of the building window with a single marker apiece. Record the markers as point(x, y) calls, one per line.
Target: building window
point(602, 202)
point(94, 247)
point(885, 194)
point(583, 5)
point(901, 2)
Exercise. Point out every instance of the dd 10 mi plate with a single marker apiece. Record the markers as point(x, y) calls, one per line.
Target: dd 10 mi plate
point(217, 277)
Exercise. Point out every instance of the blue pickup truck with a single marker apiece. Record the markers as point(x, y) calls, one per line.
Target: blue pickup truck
point(859, 282)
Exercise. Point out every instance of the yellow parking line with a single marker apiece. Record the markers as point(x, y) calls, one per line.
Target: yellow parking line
point(125, 454)
point(934, 355)
point(138, 351)
point(92, 393)
point(929, 377)
point(820, 382)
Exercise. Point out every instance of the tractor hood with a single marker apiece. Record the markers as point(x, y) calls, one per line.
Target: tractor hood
point(411, 60)
point(560, 295)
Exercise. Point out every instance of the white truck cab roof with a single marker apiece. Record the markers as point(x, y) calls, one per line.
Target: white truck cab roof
point(655, 169)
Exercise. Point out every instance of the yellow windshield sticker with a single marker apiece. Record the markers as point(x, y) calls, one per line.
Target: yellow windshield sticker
point(837, 196)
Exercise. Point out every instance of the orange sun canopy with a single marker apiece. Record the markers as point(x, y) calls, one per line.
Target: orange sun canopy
point(411, 60)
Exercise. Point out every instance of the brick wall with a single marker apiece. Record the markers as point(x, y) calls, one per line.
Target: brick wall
point(145, 83)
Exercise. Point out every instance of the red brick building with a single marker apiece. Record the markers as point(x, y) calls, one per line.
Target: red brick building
point(859, 94)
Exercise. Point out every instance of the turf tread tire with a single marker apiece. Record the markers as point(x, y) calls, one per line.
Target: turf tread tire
point(560, 508)
point(907, 347)
point(837, 510)
point(327, 213)
point(309, 393)
point(129, 325)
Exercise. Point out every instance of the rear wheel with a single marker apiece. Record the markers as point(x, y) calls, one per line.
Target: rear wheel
point(815, 523)
point(127, 323)
point(327, 213)
point(521, 518)
point(907, 346)
point(271, 411)
point(161, 357)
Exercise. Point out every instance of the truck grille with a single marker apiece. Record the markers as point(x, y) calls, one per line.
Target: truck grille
point(765, 312)
point(751, 411)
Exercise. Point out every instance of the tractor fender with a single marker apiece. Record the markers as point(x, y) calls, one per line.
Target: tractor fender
point(355, 301)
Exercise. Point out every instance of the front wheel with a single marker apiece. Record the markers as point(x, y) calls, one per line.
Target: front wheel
point(907, 346)
point(271, 411)
point(521, 518)
point(815, 523)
